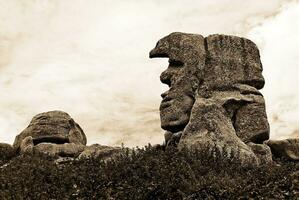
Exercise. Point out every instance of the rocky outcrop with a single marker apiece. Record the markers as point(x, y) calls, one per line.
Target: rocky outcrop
point(288, 148)
point(53, 133)
point(213, 103)
point(56, 134)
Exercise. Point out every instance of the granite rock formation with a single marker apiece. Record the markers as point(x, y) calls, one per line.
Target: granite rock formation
point(213, 103)
point(54, 132)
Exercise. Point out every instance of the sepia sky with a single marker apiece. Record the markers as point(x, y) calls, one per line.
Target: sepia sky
point(90, 59)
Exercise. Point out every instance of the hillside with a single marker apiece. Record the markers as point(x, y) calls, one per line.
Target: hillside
point(146, 173)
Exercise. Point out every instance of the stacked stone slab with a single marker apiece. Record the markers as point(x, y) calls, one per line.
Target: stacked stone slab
point(233, 74)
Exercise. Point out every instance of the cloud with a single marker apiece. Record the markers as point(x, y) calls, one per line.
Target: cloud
point(90, 59)
point(295, 134)
point(278, 40)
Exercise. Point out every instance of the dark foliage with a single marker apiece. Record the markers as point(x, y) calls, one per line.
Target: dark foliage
point(146, 173)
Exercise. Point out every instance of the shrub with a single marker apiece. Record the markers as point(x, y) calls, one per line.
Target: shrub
point(146, 173)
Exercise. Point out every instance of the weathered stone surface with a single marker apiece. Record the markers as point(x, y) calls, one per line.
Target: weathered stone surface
point(6, 151)
point(232, 76)
point(210, 130)
point(100, 151)
point(54, 133)
point(185, 52)
point(262, 151)
point(251, 122)
point(61, 150)
point(231, 60)
point(172, 139)
point(27, 145)
point(288, 148)
point(213, 95)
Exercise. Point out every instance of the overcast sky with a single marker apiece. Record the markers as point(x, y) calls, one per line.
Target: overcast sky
point(90, 59)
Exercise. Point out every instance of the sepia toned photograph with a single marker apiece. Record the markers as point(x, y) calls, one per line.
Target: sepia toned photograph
point(149, 99)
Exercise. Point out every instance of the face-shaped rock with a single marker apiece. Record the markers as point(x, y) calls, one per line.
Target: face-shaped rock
point(186, 58)
point(206, 66)
point(54, 128)
point(213, 95)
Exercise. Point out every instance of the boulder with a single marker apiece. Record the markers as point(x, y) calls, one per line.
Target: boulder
point(288, 148)
point(100, 151)
point(53, 133)
point(6, 151)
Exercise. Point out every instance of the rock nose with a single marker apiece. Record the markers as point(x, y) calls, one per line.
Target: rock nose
point(157, 52)
point(152, 53)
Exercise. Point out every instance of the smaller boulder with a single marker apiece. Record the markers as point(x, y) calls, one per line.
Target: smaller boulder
point(288, 148)
point(54, 133)
point(55, 127)
point(6, 151)
point(100, 151)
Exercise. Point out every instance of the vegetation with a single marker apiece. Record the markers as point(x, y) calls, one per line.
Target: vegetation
point(146, 173)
